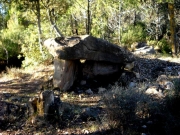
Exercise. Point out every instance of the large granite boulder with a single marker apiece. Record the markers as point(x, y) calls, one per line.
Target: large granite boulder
point(99, 58)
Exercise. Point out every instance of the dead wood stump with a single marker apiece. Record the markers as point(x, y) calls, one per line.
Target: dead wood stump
point(45, 105)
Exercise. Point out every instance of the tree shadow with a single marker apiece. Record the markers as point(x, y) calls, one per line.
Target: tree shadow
point(80, 112)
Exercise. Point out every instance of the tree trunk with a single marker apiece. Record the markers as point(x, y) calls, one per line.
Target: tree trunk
point(172, 28)
point(88, 19)
point(54, 24)
point(120, 25)
point(74, 26)
point(39, 26)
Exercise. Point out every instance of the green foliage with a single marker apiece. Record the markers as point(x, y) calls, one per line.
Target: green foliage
point(10, 43)
point(164, 46)
point(30, 48)
point(133, 34)
point(110, 19)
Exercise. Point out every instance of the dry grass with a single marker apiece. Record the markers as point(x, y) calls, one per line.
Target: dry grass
point(12, 73)
point(39, 72)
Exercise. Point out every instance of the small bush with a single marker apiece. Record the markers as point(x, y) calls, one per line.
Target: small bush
point(129, 109)
point(133, 34)
point(164, 46)
point(9, 43)
point(30, 49)
point(124, 108)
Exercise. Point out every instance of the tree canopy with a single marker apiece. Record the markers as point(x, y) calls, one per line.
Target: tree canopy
point(26, 24)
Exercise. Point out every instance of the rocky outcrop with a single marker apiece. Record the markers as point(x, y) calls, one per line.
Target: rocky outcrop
point(85, 55)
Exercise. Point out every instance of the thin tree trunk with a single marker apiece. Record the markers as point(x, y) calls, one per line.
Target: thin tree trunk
point(157, 23)
point(74, 26)
point(39, 27)
point(172, 28)
point(54, 24)
point(89, 19)
point(120, 34)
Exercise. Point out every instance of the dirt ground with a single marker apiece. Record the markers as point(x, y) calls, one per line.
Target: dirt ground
point(17, 86)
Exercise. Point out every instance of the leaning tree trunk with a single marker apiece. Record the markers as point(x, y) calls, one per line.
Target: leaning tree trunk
point(53, 23)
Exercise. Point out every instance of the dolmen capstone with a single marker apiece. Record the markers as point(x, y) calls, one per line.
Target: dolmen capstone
point(85, 55)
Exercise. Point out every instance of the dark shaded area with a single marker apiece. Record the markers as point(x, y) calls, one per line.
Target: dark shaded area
point(12, 62)
point(10, 113)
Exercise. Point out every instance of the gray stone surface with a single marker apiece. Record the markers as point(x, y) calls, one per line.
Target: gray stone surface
point(99, 58)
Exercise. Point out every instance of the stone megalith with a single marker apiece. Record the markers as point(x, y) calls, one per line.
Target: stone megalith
point(99, 58)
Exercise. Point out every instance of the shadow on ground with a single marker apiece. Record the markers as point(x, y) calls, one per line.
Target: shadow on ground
point(85, 114)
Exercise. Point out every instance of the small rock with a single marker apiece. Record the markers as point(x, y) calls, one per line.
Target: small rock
point(144, 50)
point(137, 75)
point(162, 79)
point(83, 82)
point(65, 133)
point(15, 98)
point(89, 91)
point(143, 134)
point(169, 85)
point(33, 120)
point(144, 126)
point(132, 85)
point(80, 97)
point(153, 90)
point(80, 91)
point(7, 95)
point(149, 122)
point(129, 66)
point(164, 82)
point(101, 90)
point(85, 131)
point(82, 60)
point(65, 96)
point(179, 74)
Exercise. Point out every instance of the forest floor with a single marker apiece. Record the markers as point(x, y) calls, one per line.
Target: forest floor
point(107, 112)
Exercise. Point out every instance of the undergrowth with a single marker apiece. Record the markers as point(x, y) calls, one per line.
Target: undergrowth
point(131, 111)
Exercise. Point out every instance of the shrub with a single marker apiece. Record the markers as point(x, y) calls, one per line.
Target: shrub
point(133, 34)
point(164, 46)
point(31, 50)
point(123, 108)
point(129, 109)
point(10, 45)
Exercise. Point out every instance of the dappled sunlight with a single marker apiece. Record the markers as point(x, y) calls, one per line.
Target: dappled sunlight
point(21, 84)
point(116, 107)
point(81, 99)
